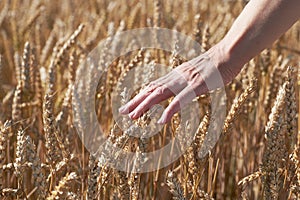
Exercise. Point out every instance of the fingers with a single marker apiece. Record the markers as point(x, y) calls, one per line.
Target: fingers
point(181, 100)
point(161, 93)
point(132, 104)
point(127, 108)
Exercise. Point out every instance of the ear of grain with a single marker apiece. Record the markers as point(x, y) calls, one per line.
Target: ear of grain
point(175, 58)
point(266, 62)
point(61, 121)
point(53, 153)
point(17, 101)
point(20, 152)
point(197, 28)
point(203, 195)
point(291, 108)
point(4, 139)
point(157, 17)
point(275, 151)
point(275, 82)
point(47, 47)
point(68, 44)
point(135, 177)
point(20, 160)
point(174, 186)
point(25, 69)
point(205, 39)
point(250, 178)
point(61, 190)
point(236, 106)
point(132, 19)
point(94, 172)
point(38, 175)
point(123, 187)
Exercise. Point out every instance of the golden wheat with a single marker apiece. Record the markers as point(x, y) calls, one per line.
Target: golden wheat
point(42, 45)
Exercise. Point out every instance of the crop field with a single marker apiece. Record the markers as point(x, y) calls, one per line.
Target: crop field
point(50, 89)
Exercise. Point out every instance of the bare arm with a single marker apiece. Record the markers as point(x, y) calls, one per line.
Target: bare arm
point(257, 27)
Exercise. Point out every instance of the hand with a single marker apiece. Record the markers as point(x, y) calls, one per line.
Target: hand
point(260, 23)
point(193, 78)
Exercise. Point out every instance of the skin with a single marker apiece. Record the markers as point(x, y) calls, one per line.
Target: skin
point(259, 24)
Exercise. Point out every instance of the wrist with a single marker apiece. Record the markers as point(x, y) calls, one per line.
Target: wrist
point(229, 54)
point(225, 60)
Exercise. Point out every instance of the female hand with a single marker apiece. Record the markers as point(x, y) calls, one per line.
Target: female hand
point(193, 78)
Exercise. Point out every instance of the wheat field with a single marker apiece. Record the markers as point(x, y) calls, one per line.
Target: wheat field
point(42, 156)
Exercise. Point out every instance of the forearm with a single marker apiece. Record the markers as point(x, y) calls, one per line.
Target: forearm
point(257, 27)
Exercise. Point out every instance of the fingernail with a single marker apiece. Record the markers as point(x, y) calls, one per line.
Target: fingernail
point(162, 120)
point(132, 115)
point(122, 110)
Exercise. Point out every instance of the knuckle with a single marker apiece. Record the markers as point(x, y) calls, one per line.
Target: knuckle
point(151, 86)
point(160, 90)
point(132, 102)
point(183, 66)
